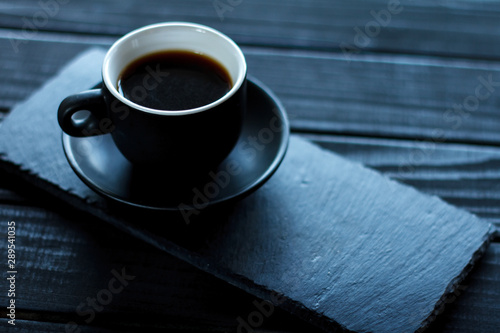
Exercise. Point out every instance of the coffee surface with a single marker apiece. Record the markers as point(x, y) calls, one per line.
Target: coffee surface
point(174, 80)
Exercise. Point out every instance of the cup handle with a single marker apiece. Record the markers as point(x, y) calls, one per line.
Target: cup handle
point(90, 100)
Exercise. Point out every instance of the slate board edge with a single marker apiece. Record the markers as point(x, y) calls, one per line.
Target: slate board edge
point(449, 296)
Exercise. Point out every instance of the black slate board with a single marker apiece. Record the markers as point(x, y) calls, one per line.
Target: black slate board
point(346, 247)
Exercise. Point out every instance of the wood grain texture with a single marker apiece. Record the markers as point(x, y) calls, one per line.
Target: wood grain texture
point(387, 253)
point(382, 96)
point(424, 27)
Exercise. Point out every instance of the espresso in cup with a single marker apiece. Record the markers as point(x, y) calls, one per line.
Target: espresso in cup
point(173, 98)
point(179, 80)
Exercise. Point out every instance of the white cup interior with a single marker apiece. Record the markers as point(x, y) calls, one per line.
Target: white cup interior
point(173, 36)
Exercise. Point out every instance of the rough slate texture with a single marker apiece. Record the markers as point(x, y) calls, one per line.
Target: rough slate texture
point(347, 247)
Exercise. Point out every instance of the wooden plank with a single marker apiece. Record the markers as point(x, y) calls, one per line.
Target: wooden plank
point(28, 326)
point(459, 28)
point(25, 71)
point(303, 235)
point(65, 258)
point(385, 96)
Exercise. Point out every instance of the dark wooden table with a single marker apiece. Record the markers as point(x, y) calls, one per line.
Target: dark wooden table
point(410, 88)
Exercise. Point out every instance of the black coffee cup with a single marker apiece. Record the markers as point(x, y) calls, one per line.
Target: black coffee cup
point(196, 138)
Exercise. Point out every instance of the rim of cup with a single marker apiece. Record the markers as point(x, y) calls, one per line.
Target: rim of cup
point(112, 66)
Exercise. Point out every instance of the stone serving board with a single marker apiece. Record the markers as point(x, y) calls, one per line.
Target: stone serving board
point(327, 239)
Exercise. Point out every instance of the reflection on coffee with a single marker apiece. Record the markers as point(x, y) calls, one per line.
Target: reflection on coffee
point(174, 80)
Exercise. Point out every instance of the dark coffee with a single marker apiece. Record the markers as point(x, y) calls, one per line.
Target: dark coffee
point(174, 80)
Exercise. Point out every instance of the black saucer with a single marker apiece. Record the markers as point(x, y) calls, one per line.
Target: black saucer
point(257, 155)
